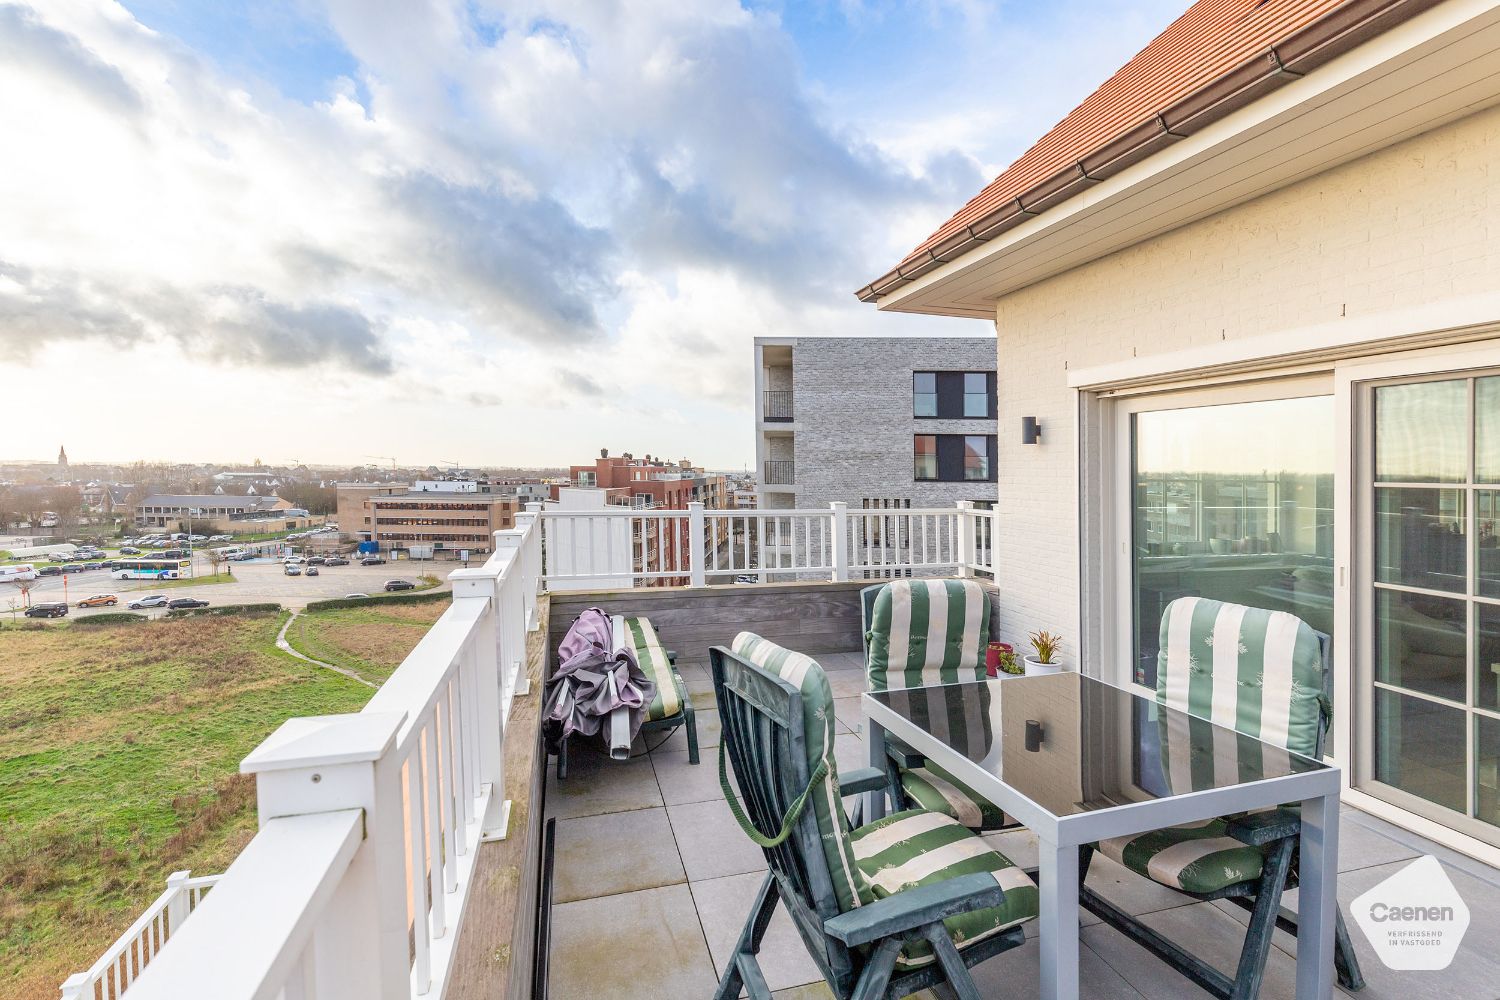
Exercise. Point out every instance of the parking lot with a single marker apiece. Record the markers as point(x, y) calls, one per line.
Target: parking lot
point(257, 582)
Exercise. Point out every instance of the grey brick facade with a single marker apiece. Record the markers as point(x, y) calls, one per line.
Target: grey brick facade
point(851, 436)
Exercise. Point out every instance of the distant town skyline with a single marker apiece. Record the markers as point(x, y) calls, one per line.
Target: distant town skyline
point(310, 231)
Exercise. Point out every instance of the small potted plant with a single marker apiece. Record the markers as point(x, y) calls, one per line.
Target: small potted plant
point(1045, 661)
point(1000, 657)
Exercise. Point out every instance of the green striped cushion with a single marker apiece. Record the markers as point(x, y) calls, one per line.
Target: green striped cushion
point(804, 674)
point(936, 790)
point(917, 847)
point(1257, 671)
point(1196, 857)
point(652, 656)
point(926, 632)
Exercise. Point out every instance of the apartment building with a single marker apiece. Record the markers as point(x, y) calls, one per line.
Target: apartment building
point(874, 422)
point(647, 482)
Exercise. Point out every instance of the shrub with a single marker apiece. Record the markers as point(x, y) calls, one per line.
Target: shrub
point(109, 618)
point(226, 609)
point(397, 598)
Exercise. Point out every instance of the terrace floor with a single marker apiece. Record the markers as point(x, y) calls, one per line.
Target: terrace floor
point(653, 880)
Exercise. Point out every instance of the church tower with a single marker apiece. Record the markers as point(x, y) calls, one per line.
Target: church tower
point(62, 458)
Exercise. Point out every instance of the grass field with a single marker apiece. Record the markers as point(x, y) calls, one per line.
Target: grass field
point(371, 641)
point(119, 754)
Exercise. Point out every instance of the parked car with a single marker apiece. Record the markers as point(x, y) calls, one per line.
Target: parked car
point(149, 601)
point(310, 571)
point(351, 597)
point(73, 568)
point(187, 602)
point(317, 561)
point(47, 609)
point(335, 561)
point(49, 571)
point(99, 601)
point(372, 561)
point(400, 585)
point(292, 569)
point(93, 565)
point(129, 550)
point(295, 560)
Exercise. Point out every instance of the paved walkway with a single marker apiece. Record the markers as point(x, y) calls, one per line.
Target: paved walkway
point(654, 879)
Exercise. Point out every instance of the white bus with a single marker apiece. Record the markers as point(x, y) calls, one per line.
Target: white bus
point(17, 573)
point(150, 569)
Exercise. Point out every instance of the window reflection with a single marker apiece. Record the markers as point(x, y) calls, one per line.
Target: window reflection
point(1233, 503)
point(1419, 432)
point(1420, 539)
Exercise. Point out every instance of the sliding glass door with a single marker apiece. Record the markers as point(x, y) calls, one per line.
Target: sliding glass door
point(1230, 500)
point(1429, 609)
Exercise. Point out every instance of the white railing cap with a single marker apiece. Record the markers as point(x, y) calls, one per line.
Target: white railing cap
point(322, 740)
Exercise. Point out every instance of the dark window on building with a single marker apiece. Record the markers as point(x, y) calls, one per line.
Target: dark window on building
point(925, 460)
point(953, 458)
point(953, 395)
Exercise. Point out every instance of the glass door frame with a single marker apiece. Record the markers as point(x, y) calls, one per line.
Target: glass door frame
point(1355, 385)
point(1120, 634)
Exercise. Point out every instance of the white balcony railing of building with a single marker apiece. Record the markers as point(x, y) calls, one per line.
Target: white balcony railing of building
point(618, 548)
point(356, 882)
point(123, 962)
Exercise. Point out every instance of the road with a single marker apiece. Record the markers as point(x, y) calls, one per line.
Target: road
point(256, 582)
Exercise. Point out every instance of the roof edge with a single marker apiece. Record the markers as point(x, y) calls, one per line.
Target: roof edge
point(1337, 32)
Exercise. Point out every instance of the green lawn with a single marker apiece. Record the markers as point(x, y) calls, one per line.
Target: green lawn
point(119, 754)
point(371, 641)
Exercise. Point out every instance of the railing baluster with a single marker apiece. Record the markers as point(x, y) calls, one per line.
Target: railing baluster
point(416, 876)
point(435, 861)
point(453, 784)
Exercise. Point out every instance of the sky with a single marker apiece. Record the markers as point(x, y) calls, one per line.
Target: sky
point(487, 233)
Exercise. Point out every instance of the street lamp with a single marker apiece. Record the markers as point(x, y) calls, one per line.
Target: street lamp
point(191, 511)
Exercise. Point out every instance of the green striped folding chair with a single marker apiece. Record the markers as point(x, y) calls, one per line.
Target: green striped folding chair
point(1263, 674)
point(911, 901)
point(920, 633)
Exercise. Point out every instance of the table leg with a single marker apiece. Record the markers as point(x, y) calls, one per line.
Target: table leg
point(1057, 923)
point(875, 746)
point(1317, 896)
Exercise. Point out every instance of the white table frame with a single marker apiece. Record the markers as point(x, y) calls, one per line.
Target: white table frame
point(1059, 837)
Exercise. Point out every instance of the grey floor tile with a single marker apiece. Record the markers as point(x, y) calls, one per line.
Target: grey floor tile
point(683, 782)
point(644, 945)
point(847, 683)
point(590, 860)
point(813, 991)
point(1361, 846)
point(842, 661)
point(724, 904)
point(711, 842)
point(595, 785)
point(1018, 972)
point(1145, 973)
point(700, 684)
point(1475, 971)
point(708, 733)
point(850, 714)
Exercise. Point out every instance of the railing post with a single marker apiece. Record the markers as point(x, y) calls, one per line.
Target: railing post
point(697, 557)
point(494, 653)
point(840, 541)
point(966, 533)
point(178, 905)
point(79, 986)
point(331, 763)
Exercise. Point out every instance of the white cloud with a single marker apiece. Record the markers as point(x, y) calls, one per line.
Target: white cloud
point(514, 218)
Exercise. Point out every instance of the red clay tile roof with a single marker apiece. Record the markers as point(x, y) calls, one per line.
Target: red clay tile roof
point(1238, 46)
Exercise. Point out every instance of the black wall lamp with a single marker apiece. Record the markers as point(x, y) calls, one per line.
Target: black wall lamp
point(1035, 732)
point(1031, 430)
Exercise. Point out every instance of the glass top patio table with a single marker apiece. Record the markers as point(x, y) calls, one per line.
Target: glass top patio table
point(1077, 760)
point(1099, 746)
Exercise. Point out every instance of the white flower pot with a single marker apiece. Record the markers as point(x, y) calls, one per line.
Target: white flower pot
point(1036, 668)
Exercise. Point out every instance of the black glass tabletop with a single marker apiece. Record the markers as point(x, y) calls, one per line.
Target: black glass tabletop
point(1074, 744)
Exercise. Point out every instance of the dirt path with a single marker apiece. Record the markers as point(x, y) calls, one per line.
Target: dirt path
point(286, 647)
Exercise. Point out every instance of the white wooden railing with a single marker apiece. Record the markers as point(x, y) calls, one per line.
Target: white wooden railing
point(124, 960)
point(599, 549)
point(356, 883)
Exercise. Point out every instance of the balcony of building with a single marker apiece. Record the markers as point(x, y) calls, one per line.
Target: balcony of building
point(424, 848)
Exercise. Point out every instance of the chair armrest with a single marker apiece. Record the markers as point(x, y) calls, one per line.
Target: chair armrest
point(1260, 828)
point(903, 755)
point(862, 779)
point(910, 909)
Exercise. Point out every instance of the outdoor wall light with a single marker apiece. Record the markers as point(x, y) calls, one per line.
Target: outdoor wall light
point(1031, 430)
point(1034, 733)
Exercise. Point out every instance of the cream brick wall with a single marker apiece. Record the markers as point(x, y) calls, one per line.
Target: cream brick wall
point(1416, 223)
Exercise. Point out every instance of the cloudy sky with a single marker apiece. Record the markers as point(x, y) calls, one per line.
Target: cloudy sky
point(482, 232)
